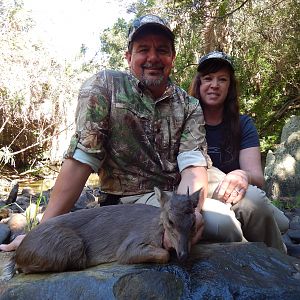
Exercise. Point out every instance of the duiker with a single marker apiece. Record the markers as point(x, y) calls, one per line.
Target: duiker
point(129, 233)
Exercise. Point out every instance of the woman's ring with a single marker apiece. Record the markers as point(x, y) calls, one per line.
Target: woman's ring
point(234, 193)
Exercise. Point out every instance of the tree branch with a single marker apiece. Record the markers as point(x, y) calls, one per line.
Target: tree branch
point(37, 143)
point(228, 14)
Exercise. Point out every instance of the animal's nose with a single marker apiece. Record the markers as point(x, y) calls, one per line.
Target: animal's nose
point(182, 256)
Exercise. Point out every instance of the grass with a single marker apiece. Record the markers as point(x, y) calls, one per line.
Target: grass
point(287, 205)
point(31, 218)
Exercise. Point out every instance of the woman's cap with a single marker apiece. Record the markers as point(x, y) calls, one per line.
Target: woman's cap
point(148, 21)
point(216, 55)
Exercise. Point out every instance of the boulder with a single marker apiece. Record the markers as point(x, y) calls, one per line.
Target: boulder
point(4, 233)
point(282, 170)
point(213, 271)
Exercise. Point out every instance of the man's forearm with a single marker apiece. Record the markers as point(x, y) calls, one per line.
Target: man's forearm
point(68, 187)
point(194, 178)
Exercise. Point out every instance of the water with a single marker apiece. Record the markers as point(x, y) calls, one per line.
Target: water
point(45, 184)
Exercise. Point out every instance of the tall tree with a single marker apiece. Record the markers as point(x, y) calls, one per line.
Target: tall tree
point(35, 90)
point(261, 36)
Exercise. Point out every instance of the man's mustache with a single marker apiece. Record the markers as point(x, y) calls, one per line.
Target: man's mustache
point(155, 66)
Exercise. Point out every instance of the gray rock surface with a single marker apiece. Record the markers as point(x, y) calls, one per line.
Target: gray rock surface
point(214, 271)
point(293, 125)
point(4, 232)
point(282, 170)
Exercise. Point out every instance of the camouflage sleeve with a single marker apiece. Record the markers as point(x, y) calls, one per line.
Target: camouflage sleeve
point(92, 117)
point(193, 146)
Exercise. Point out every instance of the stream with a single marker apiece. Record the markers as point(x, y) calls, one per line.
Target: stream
point(39, 185)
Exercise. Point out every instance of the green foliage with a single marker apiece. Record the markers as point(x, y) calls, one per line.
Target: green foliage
point(263, 39)
point(288, 204)
point(36, 91)
point(278, 204)
point(113, 42)
point(6, 156)
point(267, 143)
point(32, 212)
point(223, 8)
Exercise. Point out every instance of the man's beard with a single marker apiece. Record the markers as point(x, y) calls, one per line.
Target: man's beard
point(151, 82)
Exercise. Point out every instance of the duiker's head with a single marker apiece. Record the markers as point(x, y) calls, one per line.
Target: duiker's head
point(178, 218)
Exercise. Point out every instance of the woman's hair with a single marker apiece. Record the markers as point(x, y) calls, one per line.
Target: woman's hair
point(231, 118)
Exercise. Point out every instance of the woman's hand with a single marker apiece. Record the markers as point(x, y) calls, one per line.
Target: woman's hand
point(233, 187)
point(13, 245)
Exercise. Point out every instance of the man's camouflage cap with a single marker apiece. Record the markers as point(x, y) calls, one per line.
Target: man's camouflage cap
point(149, 21)
point(215, 55)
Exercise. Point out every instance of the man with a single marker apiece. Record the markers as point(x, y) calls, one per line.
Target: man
point(136, 130)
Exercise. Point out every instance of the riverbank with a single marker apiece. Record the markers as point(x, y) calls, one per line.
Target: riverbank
point(22, 207)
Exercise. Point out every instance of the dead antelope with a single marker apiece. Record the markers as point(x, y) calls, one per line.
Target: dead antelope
point(129, 234)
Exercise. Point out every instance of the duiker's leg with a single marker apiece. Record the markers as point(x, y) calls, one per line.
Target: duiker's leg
point(132, 251)
point(51, 249)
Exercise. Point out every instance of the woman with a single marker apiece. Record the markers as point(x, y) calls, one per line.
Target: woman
point(233, 146)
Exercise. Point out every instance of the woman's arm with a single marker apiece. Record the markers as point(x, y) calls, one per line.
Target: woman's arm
point(250, 162)
point(235, 184)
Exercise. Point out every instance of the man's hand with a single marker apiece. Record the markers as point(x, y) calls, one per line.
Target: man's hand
point(232, 188)
point(13, 245)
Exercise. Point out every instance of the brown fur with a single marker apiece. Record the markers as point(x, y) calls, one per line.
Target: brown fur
point(128, 234)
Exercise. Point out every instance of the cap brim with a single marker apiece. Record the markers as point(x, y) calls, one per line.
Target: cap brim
point(203, 63)
point(148, 25)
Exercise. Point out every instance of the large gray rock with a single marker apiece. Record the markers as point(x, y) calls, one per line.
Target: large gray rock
point(214, 271)
point(282, 170)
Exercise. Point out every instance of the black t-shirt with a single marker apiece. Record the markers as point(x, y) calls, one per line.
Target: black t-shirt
point(249, 138)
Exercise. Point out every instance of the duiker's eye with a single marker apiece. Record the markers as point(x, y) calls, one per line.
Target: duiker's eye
point(171, 223)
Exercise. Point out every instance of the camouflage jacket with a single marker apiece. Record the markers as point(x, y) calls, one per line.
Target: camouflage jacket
point(136, 139)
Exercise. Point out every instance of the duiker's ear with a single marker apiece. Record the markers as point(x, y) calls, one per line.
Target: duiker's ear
point(161, 196)
point(196, 196)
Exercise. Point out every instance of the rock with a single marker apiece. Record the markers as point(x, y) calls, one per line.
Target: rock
point(20, 204)
point(27, 192)
point(4, 233)
point(17, 224)
point(86, 200)
point(148, 284)
point(4, 213)
point(293, 125)
point(214, 271)
point(282, 170)
point(13, 194)
point(294, 234)
point(295, 222)
point(293, 249)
